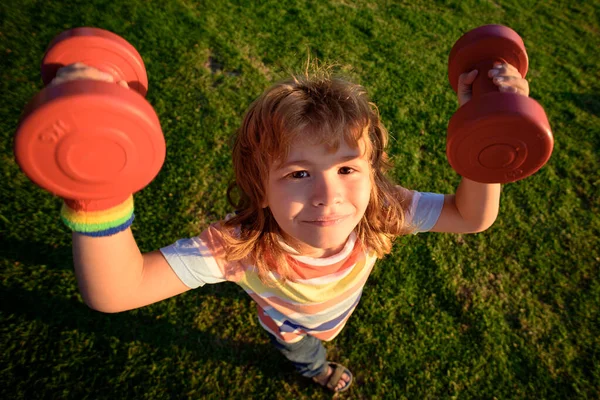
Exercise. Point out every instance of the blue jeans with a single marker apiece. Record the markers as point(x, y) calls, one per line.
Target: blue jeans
point(308, 355)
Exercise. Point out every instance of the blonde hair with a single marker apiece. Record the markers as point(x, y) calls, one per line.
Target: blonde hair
point(326, 109)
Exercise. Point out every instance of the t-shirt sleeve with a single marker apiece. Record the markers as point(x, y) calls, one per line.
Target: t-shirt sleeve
point(424, 211)
point(198, 260)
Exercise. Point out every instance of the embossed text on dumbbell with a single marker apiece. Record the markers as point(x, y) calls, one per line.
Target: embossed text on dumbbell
point(53, 134)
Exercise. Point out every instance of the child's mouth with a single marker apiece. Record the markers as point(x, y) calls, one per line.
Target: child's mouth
point(327, 221)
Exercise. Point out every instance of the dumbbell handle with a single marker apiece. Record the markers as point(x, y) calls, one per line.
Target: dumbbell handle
point(483, 84)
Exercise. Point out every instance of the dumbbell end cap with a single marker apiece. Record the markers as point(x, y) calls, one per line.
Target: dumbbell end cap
point(501, 138)
point(90, 140)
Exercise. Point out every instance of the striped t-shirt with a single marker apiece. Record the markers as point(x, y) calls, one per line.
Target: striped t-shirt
point(323, 292)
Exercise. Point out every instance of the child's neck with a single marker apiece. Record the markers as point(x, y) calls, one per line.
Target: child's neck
point(322, 253)
point(314, 252)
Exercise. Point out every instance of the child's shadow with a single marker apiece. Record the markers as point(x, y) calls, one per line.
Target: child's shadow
point(61, 311)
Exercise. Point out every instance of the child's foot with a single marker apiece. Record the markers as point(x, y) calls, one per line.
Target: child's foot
point(338, 378)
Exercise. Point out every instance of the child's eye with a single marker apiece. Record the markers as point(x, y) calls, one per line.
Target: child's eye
point(298, 174)
point(346, 170)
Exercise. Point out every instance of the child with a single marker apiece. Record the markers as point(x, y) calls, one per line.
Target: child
point(315, 211)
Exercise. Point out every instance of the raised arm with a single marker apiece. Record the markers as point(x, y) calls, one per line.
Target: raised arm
point(472, 209)
point(114, 276)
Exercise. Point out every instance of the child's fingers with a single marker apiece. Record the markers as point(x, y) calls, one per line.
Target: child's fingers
point(512, 84)
point(503, 69)
point(511, 80)
point(510, 69)
point(508, 89)
point(467, 78)
point(70, 68)
point(80, 71)
point(508, 79)
point(97, 76)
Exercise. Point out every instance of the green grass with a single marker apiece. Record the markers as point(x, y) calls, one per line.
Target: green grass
point(512, 312)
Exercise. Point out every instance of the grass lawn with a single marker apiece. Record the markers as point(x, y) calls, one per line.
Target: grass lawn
point(513, 312)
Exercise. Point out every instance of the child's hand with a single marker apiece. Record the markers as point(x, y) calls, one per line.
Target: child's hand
point(505, 76)
point(76, 71)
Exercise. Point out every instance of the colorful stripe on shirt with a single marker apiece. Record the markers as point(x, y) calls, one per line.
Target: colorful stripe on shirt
point(317, 302)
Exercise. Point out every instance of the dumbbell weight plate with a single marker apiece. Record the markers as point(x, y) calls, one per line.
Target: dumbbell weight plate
point(96, 48)
point(89, 139)
point(499, 138)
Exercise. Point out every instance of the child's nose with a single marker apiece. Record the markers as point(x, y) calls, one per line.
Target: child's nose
point(326, 192)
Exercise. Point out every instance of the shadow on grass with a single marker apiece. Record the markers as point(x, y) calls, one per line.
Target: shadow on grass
point(61, 314)
point(432, 278)
point(129, 327)
point(105, 351)
point(37, 253)
point(588, 102)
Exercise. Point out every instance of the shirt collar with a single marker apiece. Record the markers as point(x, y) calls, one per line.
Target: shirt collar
point(343, 254)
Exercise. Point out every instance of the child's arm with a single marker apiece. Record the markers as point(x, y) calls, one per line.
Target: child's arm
point(111, 272)
point(474, 207)
point(114, 276)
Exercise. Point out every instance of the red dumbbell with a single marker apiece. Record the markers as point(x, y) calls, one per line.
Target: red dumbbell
point(89, 139)
point(496, 137)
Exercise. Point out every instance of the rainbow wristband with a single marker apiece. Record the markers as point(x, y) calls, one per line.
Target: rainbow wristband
point(100, 222)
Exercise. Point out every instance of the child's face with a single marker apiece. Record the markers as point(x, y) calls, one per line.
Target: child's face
point(318, 198)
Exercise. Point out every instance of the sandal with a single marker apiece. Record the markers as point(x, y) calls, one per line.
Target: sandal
point(336, 374)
